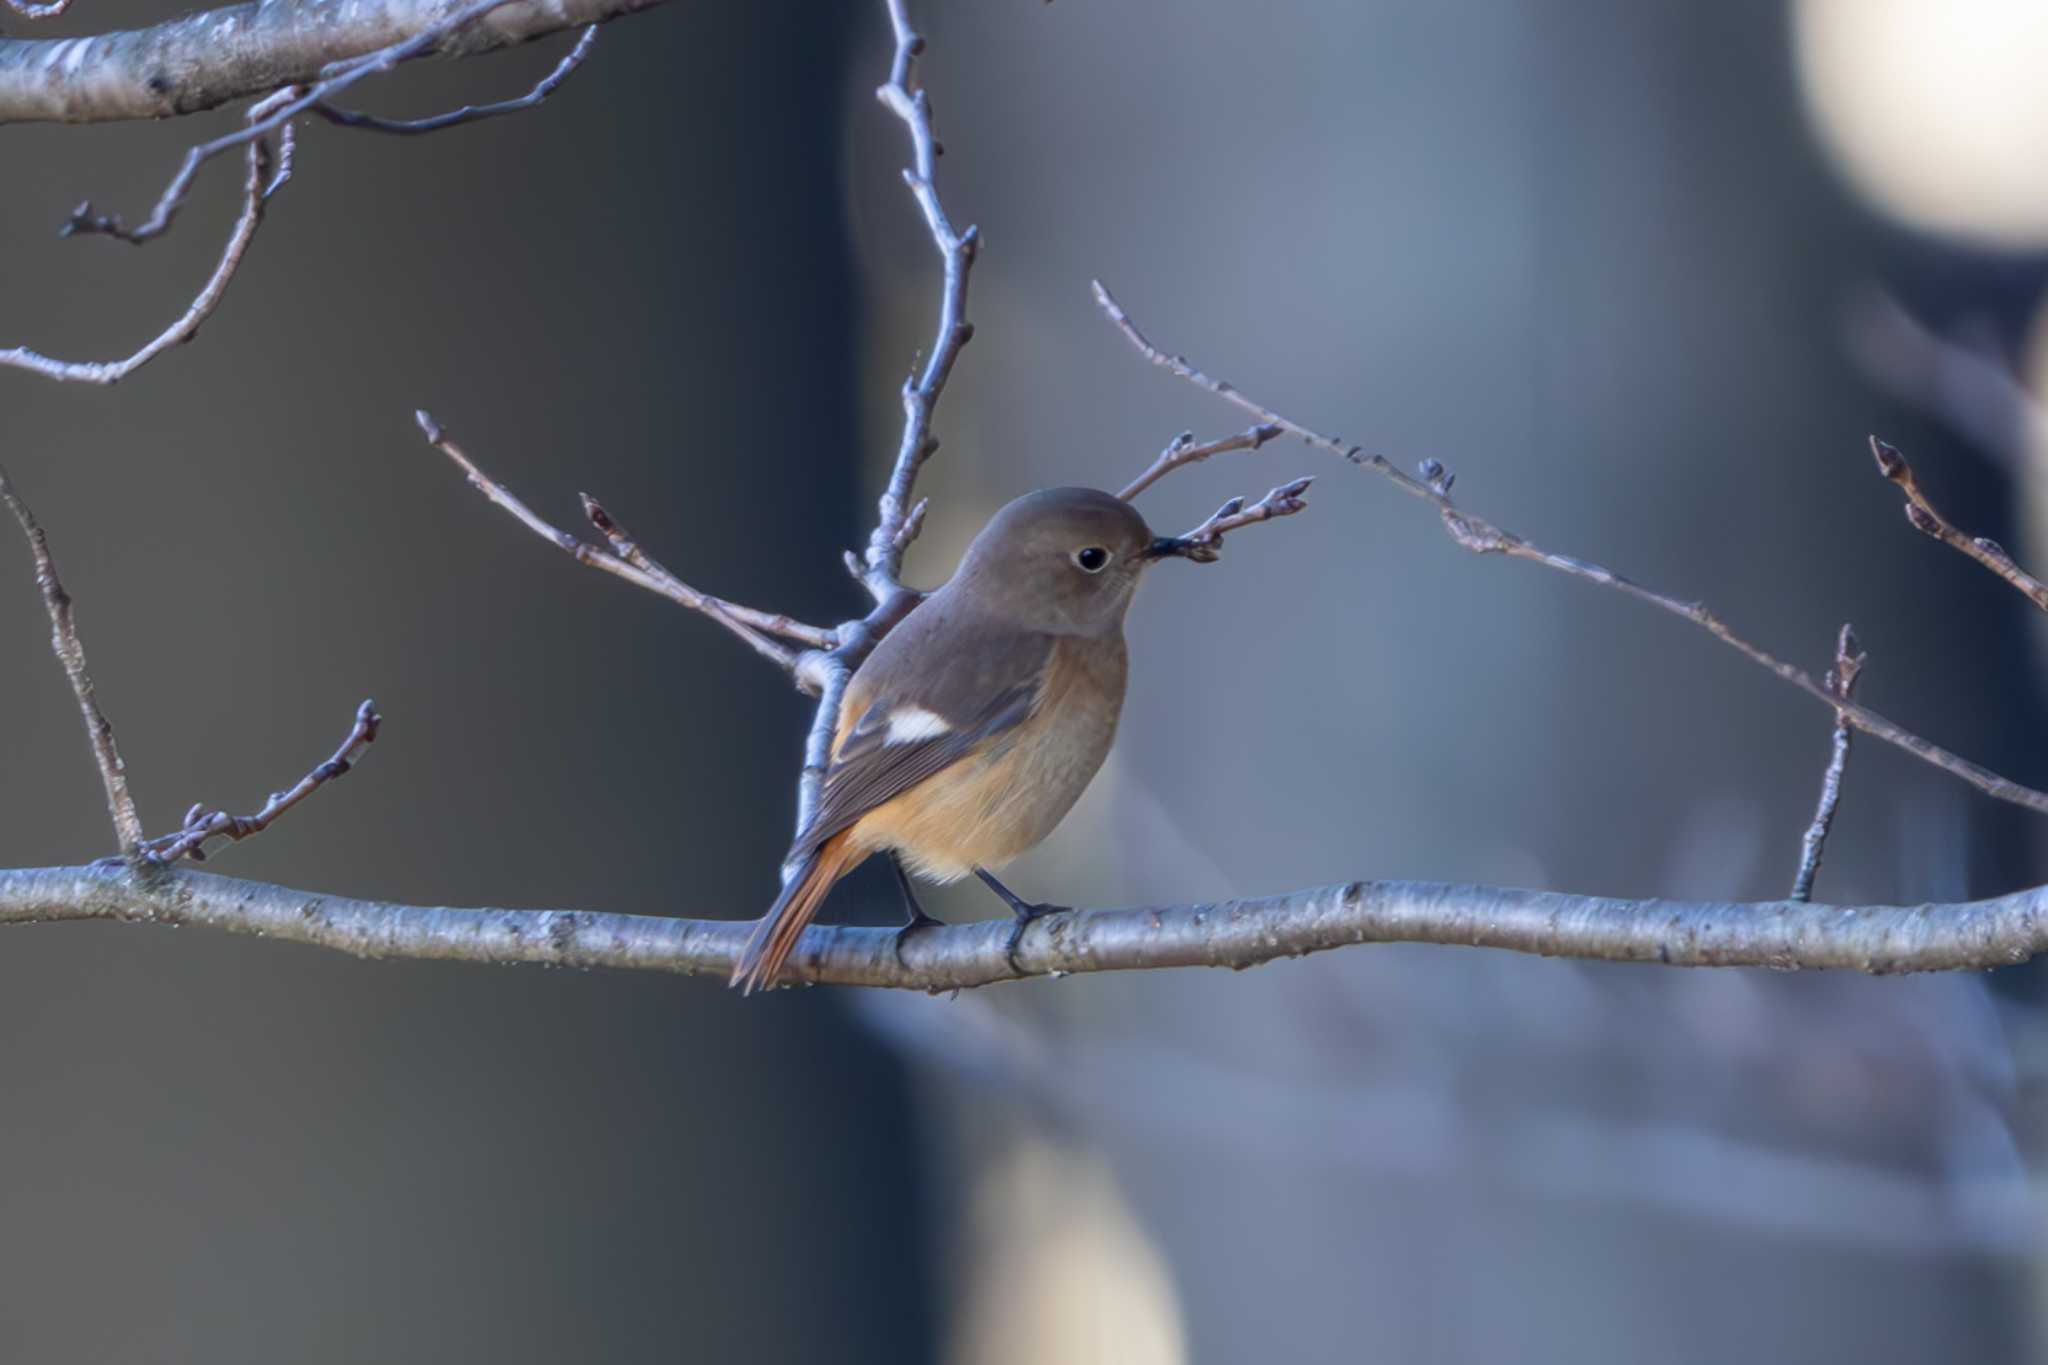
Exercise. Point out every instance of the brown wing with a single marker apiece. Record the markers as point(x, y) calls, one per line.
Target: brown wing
point(936, 690)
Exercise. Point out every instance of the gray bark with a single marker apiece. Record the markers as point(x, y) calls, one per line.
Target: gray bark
point(204, 60)
point(1783, 934)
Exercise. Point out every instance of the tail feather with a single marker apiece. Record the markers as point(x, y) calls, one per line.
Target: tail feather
point(775, 937)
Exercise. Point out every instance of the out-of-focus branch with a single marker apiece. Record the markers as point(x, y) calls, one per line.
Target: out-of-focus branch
point(202, 824)
point(1480, 536)
point(204, 60)
point(468, 113)
point(28, 9)
point(1965, 386)
point(264, 178)
point(1841, 680)
point(1926, 519)
point(70, 652)
point(1880, 939)
point(628, 561)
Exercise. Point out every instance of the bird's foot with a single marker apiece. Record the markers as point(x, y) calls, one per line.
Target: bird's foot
point(1026, 914)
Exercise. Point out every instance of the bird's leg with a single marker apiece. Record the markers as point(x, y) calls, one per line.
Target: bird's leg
point(916, 917)
point(1025, 911)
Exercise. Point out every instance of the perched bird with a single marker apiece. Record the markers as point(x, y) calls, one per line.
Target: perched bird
point(978, 721)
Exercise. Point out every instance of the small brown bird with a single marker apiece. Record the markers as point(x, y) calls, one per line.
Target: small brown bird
point(978, 721)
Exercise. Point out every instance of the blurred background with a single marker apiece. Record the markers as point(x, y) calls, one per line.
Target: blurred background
point(1643, 276)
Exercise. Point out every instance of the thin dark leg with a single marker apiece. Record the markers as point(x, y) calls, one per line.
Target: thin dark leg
point(915, 917)
point(1025, 911)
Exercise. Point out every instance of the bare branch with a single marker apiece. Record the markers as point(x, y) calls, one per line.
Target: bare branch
point(28, 9)
point(268, 116)
point(1961, 384)
point(1182, 450)
point(468, 113)
point(1878, 939)
point(895, 526)
point(1480, 536)
point(262, 181)
point(70, 652)
point(629, 562)
point(1926, 519)
point(1841, 680)
point(202, 824)
point(204, 60)
point(1204, 544)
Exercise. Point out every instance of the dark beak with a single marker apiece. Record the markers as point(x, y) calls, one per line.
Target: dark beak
point(1166, 547)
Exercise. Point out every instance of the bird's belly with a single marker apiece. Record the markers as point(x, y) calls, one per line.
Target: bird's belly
point(985, 811)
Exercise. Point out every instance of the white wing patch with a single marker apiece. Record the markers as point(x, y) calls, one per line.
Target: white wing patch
point(913, 723)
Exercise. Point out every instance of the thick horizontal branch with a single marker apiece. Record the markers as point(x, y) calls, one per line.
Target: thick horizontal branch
point(1246, 933)
point(201, 61)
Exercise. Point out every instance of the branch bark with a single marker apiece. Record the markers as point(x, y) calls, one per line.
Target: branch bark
point(1878, 939)
point(201, 61)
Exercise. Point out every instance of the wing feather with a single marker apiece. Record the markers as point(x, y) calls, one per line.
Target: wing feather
point(934, 692)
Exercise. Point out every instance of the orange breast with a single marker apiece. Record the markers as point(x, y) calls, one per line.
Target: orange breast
point(995, 804)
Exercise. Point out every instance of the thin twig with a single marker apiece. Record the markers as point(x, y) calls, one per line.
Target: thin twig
point(895, 525)
point(468, 113)
point(1480, 536)
point(202, 824)
point(70, 652)
point(627, 561)
point(1926, 519)
point(1182, 450)
point(85, 221)
point(28, 9)
point(1879, 939)
point(1204, 544)
point(626, 548)
point(264, 179)
point(1841, 680)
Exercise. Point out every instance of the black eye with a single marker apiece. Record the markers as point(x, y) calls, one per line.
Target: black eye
point(1091, 559)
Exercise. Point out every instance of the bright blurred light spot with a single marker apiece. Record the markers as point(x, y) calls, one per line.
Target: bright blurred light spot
point(1062, 1273)
point(1937, 109)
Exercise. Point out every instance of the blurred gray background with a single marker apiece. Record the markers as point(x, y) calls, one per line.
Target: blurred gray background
point(1603, 260)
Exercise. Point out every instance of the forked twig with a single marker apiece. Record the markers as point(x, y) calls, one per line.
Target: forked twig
point(85, 221)
point(468, 113)
point(266, 175)
point(1480, 536)
point(70, 652)
point(1204, 544)
point(202, 824)
point(628, 561)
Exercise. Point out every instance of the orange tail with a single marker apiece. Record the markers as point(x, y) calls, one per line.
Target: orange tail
point(775, 937)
